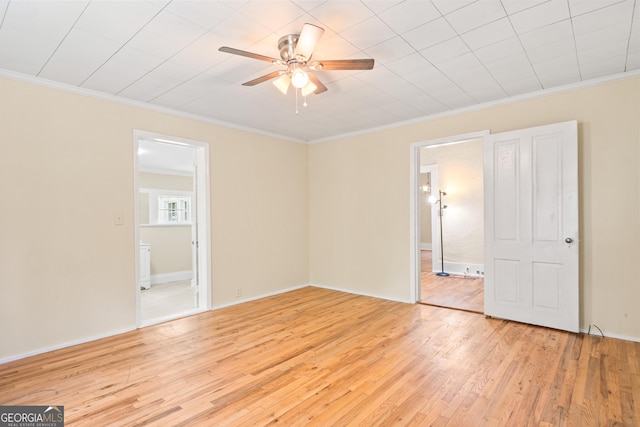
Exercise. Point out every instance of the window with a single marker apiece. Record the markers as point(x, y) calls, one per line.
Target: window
point(174, 210)
point(165, 207)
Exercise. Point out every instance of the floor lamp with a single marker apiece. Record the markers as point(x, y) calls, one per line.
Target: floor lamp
point(441, 208)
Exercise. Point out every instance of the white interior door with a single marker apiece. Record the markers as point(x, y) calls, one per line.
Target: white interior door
point(531, 226)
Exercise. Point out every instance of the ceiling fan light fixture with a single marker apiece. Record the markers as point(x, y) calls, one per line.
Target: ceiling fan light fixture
point(308, 89)
point(299, 78)
point(282, 83)
point(309, 37)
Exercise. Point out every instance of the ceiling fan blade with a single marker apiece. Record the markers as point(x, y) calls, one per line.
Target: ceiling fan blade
point(264, 78)
point(344, 64)
point(249, 54)
point(320, 87)
point(308, 39)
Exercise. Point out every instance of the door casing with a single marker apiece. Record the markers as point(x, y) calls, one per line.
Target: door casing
point(414, 204)
point(203, 206)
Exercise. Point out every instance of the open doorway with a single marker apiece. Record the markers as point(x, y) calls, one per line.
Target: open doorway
point(171, 229)
point(448, 223)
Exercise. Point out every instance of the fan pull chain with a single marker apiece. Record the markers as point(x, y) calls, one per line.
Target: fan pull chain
point(304, 100)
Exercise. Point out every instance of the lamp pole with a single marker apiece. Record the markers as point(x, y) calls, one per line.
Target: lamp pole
point(440, 210)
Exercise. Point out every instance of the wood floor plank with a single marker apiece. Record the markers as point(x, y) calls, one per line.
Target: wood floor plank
point(316, 357)
point(464, 293)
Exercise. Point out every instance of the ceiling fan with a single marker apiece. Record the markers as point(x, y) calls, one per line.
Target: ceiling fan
point(295, 53)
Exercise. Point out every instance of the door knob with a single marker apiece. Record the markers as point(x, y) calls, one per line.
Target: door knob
point(568, 240)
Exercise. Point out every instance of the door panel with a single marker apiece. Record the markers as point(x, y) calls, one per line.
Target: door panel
point(531, 207)
point(506, 194)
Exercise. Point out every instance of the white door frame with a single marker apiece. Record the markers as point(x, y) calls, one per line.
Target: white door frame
point(414, 205)
point(201, 150)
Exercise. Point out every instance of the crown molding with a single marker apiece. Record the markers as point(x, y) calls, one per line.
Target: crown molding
point(165, 110)
point(38, 81)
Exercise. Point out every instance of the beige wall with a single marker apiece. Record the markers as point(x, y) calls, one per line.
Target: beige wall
point(67, 273)
point(283, 214)
point(359, 199)
point(170, 248)
point(460, 174)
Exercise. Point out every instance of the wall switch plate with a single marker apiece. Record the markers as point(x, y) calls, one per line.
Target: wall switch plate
point(118, 218)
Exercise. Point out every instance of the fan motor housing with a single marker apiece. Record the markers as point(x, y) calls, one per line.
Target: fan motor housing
point(287, 46)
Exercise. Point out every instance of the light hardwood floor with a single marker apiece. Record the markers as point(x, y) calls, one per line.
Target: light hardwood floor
point(326, 358)
point(464, 293)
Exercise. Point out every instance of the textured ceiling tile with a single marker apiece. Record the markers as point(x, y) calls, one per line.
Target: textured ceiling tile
point(368, 33)
point(116, 20)
point(206, 14)
point(475, 15)
point(28, 56)
point(489, 34)
point(429, 34)
point(445, 51)
point(448, 6)
point(502, 49)
point(166, 35)
point(409, 64)
point(79, 55)
point(202, 54)
point(579, 7)
point(617, 16)
point(518, 6)
point(46, 19)
point(409, 15)
point(558, 71)
point(338, 16)
point(540, 16)
point(183, 69)
point(334, 47)
point(272, 14)
point(390, 49)
point(599, 68)
point(379, 6)
point(124, 68)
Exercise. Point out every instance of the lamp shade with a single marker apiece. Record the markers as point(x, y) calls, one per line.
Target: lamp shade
point(308, 89)
point(282, 83)
point(309, 37)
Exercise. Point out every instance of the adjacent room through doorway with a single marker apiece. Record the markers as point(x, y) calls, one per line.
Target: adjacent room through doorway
point(451, 225)
point(173, 280)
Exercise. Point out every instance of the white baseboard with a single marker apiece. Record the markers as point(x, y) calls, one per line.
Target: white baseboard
point(256, 297)
point(460, 269)
point(426, 246)
point(175, 276)
point(65, 345)
point(608, 335)
point(364, 294)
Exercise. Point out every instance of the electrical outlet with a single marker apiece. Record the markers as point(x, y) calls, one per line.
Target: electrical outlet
point(238, 292)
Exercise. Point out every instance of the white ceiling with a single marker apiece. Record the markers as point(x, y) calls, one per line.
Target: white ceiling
point(431, 57)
